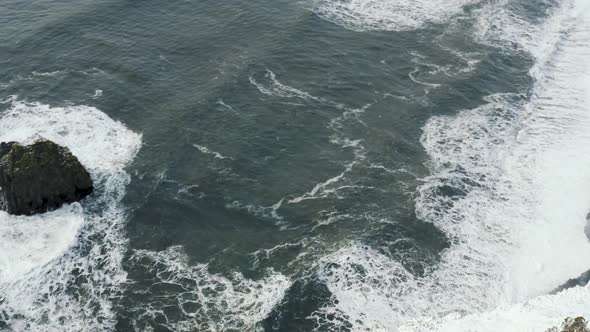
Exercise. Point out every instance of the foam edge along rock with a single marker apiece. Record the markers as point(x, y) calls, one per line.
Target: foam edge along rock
point(59, 271)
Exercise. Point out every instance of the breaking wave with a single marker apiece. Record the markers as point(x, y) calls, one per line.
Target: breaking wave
point(388, 15)
point(509, 188)
point(60, 271)
point(203, 301)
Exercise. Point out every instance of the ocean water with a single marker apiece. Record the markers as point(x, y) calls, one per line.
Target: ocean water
point(314, 165)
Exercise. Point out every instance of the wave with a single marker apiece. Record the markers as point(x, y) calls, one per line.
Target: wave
point(37, 76)
point(389, 15)
point(202, 300)
point(271, 86)
point(509, 188)
point(60, 271)
point(206, 150)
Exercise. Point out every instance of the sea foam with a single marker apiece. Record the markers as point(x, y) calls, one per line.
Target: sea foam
point(510, 189)
point(60, 270)
point(388, 15)
point(203, 301)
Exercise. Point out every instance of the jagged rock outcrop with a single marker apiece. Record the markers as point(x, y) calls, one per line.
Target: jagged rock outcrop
point(578, 324)
point(40, 177)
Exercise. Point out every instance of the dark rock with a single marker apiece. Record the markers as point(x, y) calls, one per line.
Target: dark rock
point(581, 281)
point(587, 226)
point(40, 177)
point(5, 148)
point(578, 324)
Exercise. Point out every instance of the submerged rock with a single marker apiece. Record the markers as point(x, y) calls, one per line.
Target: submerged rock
point(40, 177)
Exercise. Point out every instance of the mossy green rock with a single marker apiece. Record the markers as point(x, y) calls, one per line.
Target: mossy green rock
point(40, 177)
point(578, 324)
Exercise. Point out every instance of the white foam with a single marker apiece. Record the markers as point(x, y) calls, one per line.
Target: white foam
point(59, 271)
point(97, 94)
point(323, 189)
point(227, 106)
point(331, 186)
point(76, 127)
point(27, 243)
point(536, 315)
point(206, 150)
point(262, 211)
point(217, 303)
point(498, 24)
point(50, 74)
point(520, 173)
point(36, 76)
point(389, 15)
point(273, 87)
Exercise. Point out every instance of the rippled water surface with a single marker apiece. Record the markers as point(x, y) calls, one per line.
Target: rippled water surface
point(315, 165)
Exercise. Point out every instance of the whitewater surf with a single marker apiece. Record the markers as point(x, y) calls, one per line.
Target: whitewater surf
point(317, 165)
point(518, 166)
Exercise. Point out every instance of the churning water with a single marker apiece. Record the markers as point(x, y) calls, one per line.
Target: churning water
point(330, 165)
